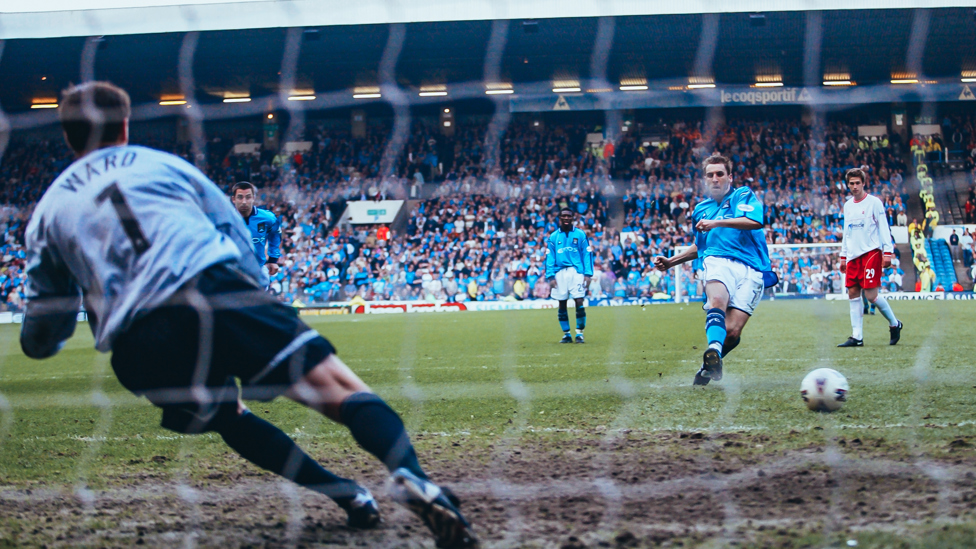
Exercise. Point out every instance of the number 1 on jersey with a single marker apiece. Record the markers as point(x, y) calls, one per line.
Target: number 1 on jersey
point(129, 223)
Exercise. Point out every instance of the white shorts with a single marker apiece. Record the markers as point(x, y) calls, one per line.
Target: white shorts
point(744, 283)
point(569, 284)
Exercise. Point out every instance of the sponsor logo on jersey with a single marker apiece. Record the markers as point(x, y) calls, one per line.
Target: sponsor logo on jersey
point(565, 249)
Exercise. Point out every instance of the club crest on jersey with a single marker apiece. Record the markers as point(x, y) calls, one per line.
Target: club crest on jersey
point(575, 241)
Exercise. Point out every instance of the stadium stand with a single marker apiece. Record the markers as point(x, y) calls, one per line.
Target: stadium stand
point(480, 234)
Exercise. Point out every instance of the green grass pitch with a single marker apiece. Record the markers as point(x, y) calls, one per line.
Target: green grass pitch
point(494, 401)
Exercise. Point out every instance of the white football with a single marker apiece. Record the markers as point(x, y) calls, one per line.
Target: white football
point(824, 390)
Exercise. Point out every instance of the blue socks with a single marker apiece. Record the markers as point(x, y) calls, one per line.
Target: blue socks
point(380, 431)
point(268, 447)
point(564, 320)
point(715, 328)
point(580, 319)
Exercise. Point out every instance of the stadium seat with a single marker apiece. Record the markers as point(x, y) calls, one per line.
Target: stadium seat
point(941, 259)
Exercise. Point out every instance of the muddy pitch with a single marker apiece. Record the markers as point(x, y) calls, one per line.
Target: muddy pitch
point(631, 490)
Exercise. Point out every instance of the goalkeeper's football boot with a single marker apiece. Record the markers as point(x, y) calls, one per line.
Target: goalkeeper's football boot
point(566, 339)
point(579, 338)
point(851, 342)
point(436, 507)
point(362, 510)
point(895, 333)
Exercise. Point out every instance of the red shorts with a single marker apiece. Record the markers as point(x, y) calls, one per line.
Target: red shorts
point(865, 271)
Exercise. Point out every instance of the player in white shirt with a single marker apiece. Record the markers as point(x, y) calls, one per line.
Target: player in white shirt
point(167, 272)
point(865, 252)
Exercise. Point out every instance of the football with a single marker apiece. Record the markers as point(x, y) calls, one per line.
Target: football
point(824, 390)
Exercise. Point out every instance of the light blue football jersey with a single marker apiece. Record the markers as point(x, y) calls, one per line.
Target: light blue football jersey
point(748, 247)
point(566, 250)
point(265, 234)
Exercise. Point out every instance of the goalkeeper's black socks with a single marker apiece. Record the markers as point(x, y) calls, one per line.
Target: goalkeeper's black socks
point(270, 448)
point(380, 431)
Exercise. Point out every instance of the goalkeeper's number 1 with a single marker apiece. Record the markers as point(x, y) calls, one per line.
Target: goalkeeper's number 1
point(129, 223)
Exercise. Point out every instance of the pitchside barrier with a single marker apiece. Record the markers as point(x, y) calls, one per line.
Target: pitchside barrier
point(399, 307)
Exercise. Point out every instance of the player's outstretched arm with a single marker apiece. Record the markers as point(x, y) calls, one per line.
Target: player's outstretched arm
point(741, 223)
point(48, 323)
point(663, 263)
point(53, 302)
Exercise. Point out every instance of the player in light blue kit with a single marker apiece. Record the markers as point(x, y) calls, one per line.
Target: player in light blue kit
point(264, 226)
point(569, 266)
point(730, 239)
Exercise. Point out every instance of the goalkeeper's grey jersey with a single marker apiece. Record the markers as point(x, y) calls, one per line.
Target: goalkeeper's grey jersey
point(125, 227)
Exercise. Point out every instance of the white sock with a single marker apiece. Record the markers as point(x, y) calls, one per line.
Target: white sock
point(857, 318)
point(882, 304)
point(715, 345)
point(579, 332)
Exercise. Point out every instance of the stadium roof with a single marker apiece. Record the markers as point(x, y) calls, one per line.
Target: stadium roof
point(59, 18)
point(869, 46)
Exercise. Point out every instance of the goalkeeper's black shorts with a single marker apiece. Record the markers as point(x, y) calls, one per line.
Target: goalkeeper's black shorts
point(187, 355)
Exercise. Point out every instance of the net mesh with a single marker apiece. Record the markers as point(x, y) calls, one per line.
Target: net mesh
point(804, 251)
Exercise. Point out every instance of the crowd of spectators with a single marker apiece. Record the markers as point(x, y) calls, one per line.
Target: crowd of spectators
point(481, 234)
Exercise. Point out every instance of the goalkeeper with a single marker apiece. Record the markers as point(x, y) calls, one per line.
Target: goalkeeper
point(167, 272)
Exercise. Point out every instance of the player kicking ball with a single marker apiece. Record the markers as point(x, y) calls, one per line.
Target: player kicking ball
point(569, 266)
point(730, 238)
point(864, 254)
point(167, 272)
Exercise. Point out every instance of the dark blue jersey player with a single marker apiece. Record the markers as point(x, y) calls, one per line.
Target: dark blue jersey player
point(730, 239)
point(167, 272)
point(264, 226)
